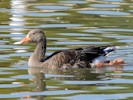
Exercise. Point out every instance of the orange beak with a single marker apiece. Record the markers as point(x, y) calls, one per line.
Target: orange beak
point(26, 39)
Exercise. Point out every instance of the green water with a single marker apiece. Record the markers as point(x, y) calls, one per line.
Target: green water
point(67, 24)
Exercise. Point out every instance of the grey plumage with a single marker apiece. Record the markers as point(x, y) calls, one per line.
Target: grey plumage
point(71, 58)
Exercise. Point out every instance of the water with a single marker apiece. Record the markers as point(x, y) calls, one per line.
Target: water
point(67, 24)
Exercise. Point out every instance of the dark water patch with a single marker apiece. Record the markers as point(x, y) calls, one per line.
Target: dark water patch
point(80, 43)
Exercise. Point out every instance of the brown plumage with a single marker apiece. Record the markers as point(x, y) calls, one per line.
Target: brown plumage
point(76, 58)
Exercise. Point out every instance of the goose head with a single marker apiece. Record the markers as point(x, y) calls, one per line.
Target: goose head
point(35, 35)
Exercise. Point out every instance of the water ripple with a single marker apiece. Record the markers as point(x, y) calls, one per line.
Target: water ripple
point(104, 12)
point(53, 7)
point(105, 5)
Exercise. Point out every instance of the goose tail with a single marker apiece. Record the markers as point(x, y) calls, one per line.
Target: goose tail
point(110, 50)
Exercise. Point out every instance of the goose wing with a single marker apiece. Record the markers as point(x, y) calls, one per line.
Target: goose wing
point(80, 55)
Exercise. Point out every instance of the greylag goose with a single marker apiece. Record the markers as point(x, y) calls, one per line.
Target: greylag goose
point(85, 57)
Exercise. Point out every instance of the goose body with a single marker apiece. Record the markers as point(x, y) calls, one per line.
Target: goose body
point(84, 57)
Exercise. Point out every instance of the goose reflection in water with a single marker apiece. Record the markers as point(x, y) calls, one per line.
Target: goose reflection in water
point(44, 78)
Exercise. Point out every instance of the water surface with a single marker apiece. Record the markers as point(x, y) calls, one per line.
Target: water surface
point(67, 24)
